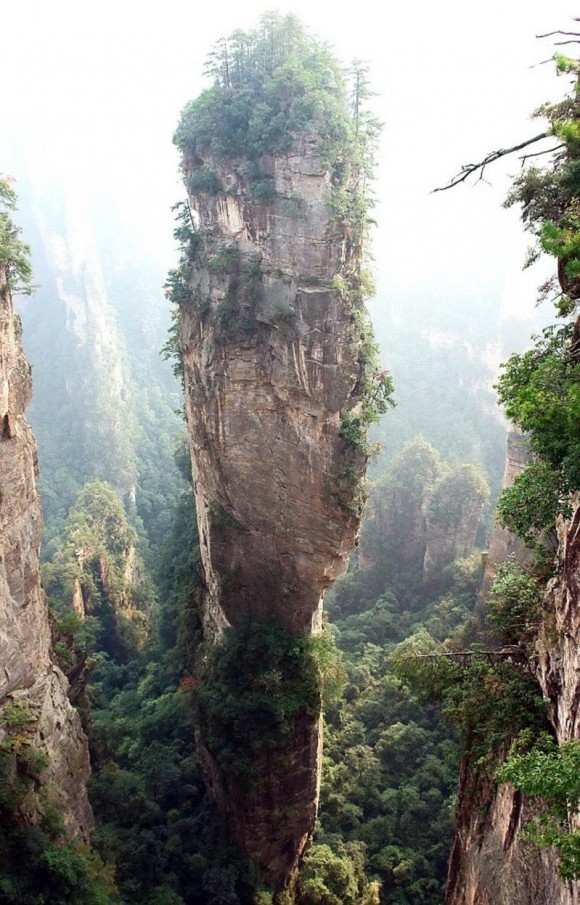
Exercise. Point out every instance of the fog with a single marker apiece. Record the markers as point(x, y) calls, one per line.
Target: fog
point(93, 92)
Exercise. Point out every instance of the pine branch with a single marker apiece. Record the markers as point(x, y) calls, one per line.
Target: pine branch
point(468, 169)
point(525, 157)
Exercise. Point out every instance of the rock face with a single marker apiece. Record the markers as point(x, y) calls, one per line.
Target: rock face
point(452, 514)
point(502, 543)
point(490, 863)
point(271, 351)
point(422, 517)
point(28, 677)
point(558, 667)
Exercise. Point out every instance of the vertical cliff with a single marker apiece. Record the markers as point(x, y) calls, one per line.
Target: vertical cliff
point(34, 708)
point(280, 384)
point(491, 864)
point(271, 363)
point(104, 401)
point(421, 517)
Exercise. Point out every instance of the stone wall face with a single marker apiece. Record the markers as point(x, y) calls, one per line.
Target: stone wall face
point(490, 863)
point(27, 673)
point(271, 358)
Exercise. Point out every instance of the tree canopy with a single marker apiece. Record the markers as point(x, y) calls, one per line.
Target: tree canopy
point(268, 83)
point(14, 253)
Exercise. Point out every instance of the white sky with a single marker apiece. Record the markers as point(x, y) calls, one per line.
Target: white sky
point(92, 92)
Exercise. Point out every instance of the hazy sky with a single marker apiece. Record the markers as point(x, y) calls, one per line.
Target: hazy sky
point(92, 92)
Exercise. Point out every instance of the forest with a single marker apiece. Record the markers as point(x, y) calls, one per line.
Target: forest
point(204, 683)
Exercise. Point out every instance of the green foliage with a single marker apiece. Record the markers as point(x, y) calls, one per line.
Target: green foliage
point(256, 683)
point(17, 714)
point(36, 870)
point(36, 864)
point(489, 702)
point(541, 388)
point(157, 823)
point(514, 603)
point(97, 560)
point(203, 181)
point(552, 774)
point(531, 505)
point(390, 761)
point(461, 492)
point(486, 699)
point(269, 83)
point(541, 392)
point(565, 64)
point(336, 877)
point(414, 484)
point(264, 191)
point(14, 253)
point(353, 430)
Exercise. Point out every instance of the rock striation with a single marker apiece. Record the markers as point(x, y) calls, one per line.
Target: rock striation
point(271, 349)
point(29, 679)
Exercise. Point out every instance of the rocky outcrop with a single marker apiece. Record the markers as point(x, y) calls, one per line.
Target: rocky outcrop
point(502, 543)
point(31, 685)
point(422, 517)
point(452, 514)
point(558, 667)
point(491, 864)
point(271, 350)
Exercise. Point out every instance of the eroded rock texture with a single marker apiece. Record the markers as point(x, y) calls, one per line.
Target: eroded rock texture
point(27, 674)
point(271, 353)
point(490, 863)
point(558, 667)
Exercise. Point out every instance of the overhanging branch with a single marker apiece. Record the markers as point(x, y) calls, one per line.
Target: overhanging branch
point(504, 653)
point(468, 169)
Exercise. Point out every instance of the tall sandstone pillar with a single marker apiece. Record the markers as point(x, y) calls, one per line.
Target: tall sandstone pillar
point(271, 349)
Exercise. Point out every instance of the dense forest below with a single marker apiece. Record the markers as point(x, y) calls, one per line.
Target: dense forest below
point(122, 567)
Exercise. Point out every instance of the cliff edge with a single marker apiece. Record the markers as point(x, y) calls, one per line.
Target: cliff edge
point(34, 708)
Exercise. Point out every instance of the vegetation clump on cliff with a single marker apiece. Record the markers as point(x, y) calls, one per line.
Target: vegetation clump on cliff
point(256, 684)
point(540, 389)
point(268, 84)
point(14, 253)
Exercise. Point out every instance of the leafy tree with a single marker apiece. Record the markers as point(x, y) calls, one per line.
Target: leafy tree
point(550, 773)
point(541, 388)
point(97, 563)
point(14, 253)
point(514, 603)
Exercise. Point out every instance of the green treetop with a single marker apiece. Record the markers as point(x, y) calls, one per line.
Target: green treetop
point(268, 83)
point(14, 253)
